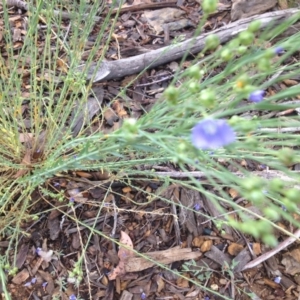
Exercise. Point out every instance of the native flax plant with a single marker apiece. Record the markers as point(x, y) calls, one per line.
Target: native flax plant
point(163, 135)
point(40, 87)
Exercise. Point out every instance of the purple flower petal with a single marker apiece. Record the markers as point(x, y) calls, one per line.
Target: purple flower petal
point(27, 284)
point(143, 296)
point(44, 284)
point(279, 50)
point(33, 280)
point(212, 134)
point(257, 96)
point(197, 206)
point(277, 279)
point(72, 297)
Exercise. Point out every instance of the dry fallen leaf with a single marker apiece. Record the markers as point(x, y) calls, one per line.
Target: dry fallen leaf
point(234, 249)
point(206, 246)
point(124, 254)
point(25, 162)
point(256, 248)
point(198, 241)
point(183, 282)
point(25, 137)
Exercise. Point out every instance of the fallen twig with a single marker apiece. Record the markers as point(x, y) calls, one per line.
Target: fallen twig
point(270, 174)
point(108, 70)
point(274, 251)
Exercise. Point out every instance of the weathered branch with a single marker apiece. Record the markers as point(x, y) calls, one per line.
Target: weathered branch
point(108, 70)
point(269, 175)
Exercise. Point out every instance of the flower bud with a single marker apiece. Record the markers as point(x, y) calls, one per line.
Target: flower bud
point(276, 185)
point(209, 6)
point(171, 94)
point(264, 65)
point(293, 195)
point(207, 98)
point(252, 183)
point(246, 38)
point(130, 125)
point(286, 156)
point(194, 71)
point(212, 42)
point(271, 214)
point(254, 26)
point(194, 87)
point(256, 197)
point(226, 54)
point(242, 50)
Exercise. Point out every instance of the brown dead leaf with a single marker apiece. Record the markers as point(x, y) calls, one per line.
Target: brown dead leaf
point(233, 193)
point(292, 266)
point(124, 254)
point(198, 241)
point(244, 163)
point(25, 137)
point(119, 109)
point(271, 283)
point(290, 82)
point(283, 4)
point(296, 254)
point(234, 249)
point(50, 283)
point(101, 175)
point(104, 280)
point(110, 116)
point(21, 277)
point(22, 255)
point(160, 283)
point(183, 282)
point(62, 65)
point(256, 248)
point(206, 246)
point(84, 174)
point(168, 256)
point(25, 162)
point(126, 189)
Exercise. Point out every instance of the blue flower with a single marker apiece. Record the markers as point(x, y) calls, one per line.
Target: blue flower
point(257, 96)
point(197, 206)
point(279, 50)
point(212, 134)
point(277, 279)
point(143, 296)
point(72, 297)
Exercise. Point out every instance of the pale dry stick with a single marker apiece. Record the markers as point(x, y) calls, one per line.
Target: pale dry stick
point(270, 174)
point(113, 232)
point(280, 130)
point(108, 70)
point(274, 251)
